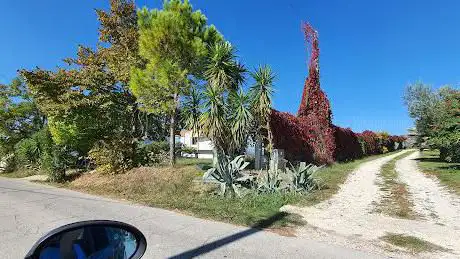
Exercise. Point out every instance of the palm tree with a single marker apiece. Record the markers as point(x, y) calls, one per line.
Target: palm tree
point(261, 93)
point(223, 72)
point(226, 116)
point(191, 112)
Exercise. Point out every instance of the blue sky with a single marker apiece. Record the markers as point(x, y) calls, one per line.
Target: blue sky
point(370, 50)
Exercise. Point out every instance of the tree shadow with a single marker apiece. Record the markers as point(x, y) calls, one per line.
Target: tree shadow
point(206, 248)
point(428, 159)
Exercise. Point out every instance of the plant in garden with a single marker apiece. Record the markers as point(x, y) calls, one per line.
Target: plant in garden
point(174, 43)
point(261, 93)
point(302, 178)
point(226, 116)
point(228, 172)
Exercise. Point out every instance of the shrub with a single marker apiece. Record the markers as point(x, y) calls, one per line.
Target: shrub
point(347, 145)
point(7, 163)
point(152, 153)
point(370, 142)
point(27, 153)
point(113, 156)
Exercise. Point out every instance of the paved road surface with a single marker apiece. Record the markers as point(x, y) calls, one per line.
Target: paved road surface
point(28, 210)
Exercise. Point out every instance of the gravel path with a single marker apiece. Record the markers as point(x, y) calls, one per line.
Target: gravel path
point(431, 200)
point(348, 218)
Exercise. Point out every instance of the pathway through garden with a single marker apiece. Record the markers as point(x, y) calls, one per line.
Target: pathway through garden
point(349, 217)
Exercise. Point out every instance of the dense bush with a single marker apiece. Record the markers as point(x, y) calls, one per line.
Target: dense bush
point(347, 144)
point(289, 135)
point(34, 151)
point(152, 153)
point(370, 142)
point(113, 156)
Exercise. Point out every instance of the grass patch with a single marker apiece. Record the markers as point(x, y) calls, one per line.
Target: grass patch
point(193, 161)
point(174, 189)
point(20, 173)
point(396, 201)
point(447, 173)
point(411, 243)
point(332, 177)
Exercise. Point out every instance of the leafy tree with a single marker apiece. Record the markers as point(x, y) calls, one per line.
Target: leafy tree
point(19, 114)
point(261, 102)
point(90, 102)
point(421, 101)
point(174, 42)
point(446, 130)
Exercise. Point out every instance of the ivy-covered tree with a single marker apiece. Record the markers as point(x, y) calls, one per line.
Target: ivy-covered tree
point(174, 43)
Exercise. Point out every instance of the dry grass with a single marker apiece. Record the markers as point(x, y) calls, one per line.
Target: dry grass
point(176, 189)
point(412, 244)
point(396, 202)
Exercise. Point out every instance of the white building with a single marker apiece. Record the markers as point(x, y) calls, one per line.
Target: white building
point(203, 145)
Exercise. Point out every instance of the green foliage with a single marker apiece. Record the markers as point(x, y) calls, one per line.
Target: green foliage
point(113, 157)
point(300, 179)
point(226, 118)
point(229, 174)
point(446, 131)
point(189, 150)
point(174, 44)
point(261, 93)
point(27, 152)
point(421, 101)
point(152, 154)
point(89, 101)
point(19, 115)
point(437, 117)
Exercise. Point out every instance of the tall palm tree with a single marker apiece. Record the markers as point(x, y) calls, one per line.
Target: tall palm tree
point(261, 93)
point(223, 72)
point(240, 119)
point(191, 112)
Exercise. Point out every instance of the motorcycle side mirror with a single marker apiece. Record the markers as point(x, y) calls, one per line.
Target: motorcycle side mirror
point(91, 239)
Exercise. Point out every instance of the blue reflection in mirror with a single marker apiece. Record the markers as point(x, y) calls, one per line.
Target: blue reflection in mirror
point(91, 242)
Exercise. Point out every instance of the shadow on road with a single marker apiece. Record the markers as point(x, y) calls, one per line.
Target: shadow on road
point(206, 248)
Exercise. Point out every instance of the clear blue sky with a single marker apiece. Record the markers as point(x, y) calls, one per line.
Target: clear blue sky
point(369, 49)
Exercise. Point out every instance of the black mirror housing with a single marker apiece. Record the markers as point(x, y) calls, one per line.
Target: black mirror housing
point(64, 241)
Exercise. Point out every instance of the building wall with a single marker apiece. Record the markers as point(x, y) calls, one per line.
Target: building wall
point(202, 144)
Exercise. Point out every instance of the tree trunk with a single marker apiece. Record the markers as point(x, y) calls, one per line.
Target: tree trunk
point(172, 132)
point(197, 144)
point(172, 139)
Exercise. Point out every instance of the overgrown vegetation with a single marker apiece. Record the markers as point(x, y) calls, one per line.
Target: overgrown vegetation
point(411, 243)
point(448, 173)
point(437, 118)
point(396, 202)
point(177, 189)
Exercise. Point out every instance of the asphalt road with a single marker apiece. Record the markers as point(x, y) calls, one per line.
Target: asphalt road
point(28, 211)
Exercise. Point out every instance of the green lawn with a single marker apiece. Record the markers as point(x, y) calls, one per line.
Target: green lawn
point(447, 173)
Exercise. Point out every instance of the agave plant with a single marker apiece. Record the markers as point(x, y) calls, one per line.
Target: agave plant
point(229, 174)
point(301, 178)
